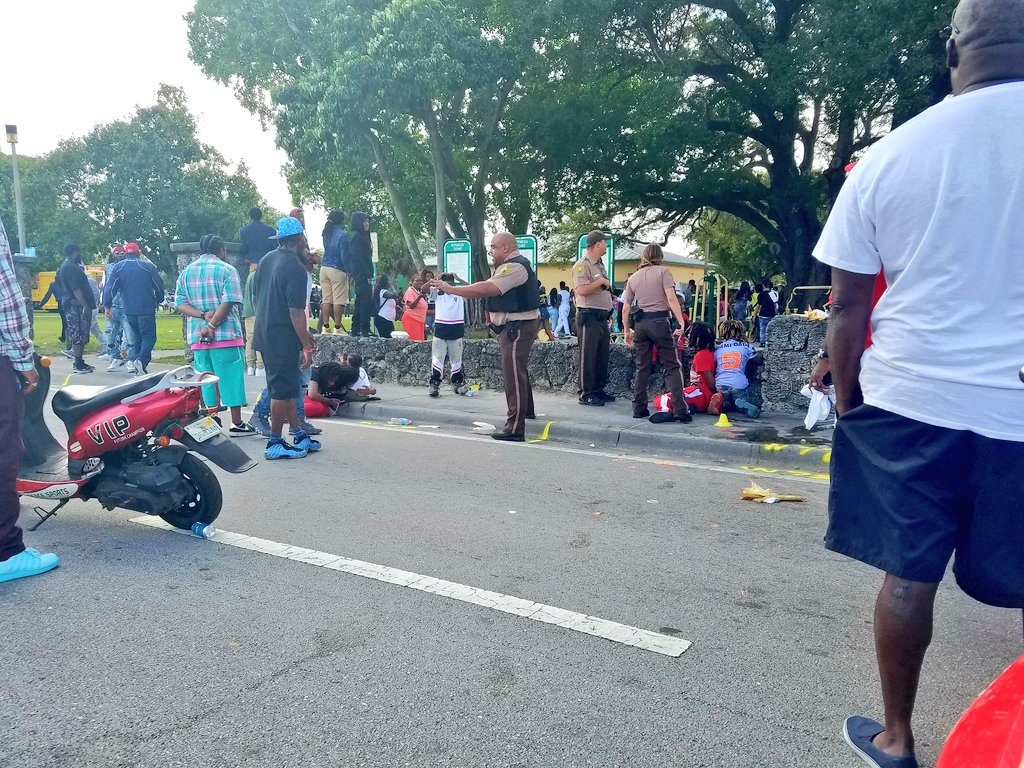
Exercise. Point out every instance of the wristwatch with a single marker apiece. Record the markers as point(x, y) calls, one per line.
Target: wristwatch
point(822, 354)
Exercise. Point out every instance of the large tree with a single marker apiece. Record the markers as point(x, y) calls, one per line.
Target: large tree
point(416, 90)
point(748, 107)
point(147, 179)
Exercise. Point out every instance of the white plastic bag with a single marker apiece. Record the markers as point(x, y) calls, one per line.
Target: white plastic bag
point(820, 407)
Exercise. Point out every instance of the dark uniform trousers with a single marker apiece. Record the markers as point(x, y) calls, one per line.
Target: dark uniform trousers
point(10, 455)
point(515, 345)
point(650, 334)
point(594, 336)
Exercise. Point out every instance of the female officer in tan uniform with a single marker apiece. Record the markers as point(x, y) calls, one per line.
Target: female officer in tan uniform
point(649, 326)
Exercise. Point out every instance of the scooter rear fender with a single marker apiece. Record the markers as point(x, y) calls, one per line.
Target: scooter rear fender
point(221, 450)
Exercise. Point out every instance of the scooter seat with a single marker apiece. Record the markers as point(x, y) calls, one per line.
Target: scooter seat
point(72, 403)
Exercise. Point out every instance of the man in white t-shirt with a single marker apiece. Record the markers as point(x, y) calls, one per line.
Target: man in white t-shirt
point(929, 447)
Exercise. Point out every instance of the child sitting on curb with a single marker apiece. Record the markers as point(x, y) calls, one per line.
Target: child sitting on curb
point(735, 361)
point(327, 387)
point(702, 374)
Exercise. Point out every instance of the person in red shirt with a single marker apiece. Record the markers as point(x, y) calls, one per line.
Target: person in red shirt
point(702, 374)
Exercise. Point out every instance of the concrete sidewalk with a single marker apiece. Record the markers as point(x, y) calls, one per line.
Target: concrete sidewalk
point(772, 441)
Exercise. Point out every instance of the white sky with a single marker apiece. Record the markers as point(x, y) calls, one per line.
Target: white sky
point(60, 81)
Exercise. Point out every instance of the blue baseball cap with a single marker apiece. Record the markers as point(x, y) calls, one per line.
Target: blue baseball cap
point(288, 226)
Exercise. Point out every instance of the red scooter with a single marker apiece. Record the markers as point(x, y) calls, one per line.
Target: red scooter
point(121, 447)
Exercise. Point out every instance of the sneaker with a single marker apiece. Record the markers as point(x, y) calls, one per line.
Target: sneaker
point(282, 450)
point(115, 364)
point(82, 368)
point(28, 563)
point(130, 367)
point(435, 389)
point(261, 372)
point(715, 404)
point(104, 356)
point(251, 370)
point(591, 400)
point(68, 354)
point(686, 418)
point(753, 411)
point(307, 444)
point(260, 424)
point(309, 429)
point(241, 430)
point(461, 389)
point(641, 413)
point(606, 397)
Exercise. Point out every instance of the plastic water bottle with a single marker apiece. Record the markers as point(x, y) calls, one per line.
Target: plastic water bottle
point(203, 531)
point(400, 422)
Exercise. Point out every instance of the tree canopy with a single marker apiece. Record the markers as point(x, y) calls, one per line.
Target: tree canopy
point(146, 179)
point(444, 115)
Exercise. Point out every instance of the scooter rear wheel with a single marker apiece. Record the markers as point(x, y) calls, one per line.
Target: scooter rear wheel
point(206, 501)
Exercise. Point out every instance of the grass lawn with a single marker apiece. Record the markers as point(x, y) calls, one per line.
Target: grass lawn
point(47, 331)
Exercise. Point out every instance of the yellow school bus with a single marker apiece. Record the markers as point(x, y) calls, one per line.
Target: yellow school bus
point(44, 280)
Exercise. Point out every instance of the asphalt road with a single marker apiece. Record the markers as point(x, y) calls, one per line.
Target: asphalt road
point(147, 648)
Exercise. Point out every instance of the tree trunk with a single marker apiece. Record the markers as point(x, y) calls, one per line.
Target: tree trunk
point(481, 264)
point(396, 202)
point(800, 229)
point(835, 174)
point(440, 196)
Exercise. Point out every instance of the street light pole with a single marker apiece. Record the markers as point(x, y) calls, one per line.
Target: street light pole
point(12, 137)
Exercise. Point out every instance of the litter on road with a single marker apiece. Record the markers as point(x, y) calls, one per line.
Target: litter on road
point(764, 496)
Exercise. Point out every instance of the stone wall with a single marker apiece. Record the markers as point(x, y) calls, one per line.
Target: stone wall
point(793, 343)
point(553, 366)
point(25, 270)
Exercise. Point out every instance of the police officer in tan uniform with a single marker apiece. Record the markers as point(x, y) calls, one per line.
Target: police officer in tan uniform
point(593, 311)
point(513, 301)
point(649, 327)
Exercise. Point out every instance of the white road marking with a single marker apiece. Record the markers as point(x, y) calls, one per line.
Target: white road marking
point(589, 625)
point(565, 449)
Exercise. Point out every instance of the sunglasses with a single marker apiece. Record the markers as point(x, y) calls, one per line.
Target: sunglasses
point(949, 31)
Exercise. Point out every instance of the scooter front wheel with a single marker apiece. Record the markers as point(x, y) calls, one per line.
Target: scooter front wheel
point(205, 503)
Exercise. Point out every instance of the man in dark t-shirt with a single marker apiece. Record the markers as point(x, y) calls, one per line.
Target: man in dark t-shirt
point(256, 237)
point(766, 310)
point(282, 335)
point(77, 303)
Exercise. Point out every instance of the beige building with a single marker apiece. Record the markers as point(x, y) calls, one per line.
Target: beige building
point(627, 260)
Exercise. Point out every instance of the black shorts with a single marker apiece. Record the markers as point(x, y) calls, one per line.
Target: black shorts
point(906, 495)
point(282, 369)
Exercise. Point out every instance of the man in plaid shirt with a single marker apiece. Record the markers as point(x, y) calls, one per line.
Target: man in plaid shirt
point(209, 294)
point(18, 377)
